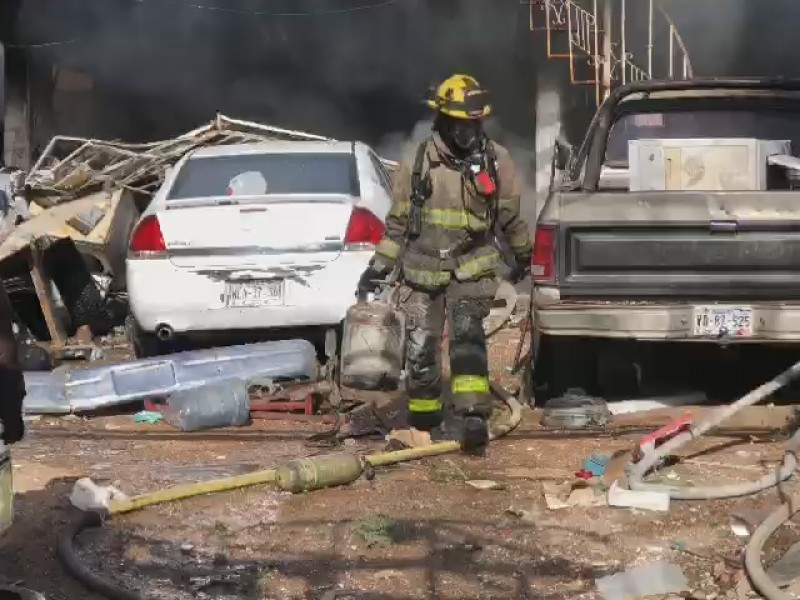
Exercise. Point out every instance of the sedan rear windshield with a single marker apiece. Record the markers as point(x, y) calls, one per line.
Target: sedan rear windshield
point(762, 123)
point(264, 174)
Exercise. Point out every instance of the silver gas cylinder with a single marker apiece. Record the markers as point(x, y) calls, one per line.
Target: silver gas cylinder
point(373, 343)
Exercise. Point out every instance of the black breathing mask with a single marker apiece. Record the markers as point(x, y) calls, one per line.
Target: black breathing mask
point(463, 136)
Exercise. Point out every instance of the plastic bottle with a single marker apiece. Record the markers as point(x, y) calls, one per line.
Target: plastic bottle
point(222, 403)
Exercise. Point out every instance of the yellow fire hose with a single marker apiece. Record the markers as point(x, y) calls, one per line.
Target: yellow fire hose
point(179, 492)
point(379, 459)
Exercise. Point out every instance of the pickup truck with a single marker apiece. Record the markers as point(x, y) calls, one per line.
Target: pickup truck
point(674, 226)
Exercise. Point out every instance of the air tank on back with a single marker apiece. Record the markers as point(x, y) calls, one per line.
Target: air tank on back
point(373, 341)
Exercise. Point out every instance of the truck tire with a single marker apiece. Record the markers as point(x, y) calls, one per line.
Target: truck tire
point(563, 363)
point(527, 395)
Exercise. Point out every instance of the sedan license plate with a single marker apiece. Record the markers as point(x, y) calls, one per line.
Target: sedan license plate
point(254, 293)
point(723, 321)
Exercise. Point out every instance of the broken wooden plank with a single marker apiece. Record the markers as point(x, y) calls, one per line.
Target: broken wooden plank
point(44, 293)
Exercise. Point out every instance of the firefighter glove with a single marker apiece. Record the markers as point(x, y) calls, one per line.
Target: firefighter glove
point(370, 281)
point(520, 270)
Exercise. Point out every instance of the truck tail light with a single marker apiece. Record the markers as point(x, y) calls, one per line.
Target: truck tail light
point(543, 267)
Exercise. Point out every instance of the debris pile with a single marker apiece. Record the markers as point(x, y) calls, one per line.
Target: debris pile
point(72, 167)
point(64, 226)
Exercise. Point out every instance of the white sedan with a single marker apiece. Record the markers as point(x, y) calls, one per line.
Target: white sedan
point(254, 237)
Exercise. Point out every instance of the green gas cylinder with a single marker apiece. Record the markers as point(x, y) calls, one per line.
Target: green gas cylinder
point(317, 472)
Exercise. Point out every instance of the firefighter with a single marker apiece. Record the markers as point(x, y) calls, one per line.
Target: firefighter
point(12, 382)
point(451, 194)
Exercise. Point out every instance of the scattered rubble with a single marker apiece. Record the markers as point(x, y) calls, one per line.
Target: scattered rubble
point(622, 498)
point(71, 167)
point(653, 579)
point(571, 494)
point(485, 484)
point(576, 410)
point(88, 496)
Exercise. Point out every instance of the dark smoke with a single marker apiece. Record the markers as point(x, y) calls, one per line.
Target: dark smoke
point(740, 37)
point(163, 66)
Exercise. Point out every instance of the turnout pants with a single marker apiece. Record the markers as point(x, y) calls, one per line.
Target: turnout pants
point(465, 305)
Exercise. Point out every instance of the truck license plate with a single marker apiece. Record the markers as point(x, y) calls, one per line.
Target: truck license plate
point(254, 293)
point(722, 321)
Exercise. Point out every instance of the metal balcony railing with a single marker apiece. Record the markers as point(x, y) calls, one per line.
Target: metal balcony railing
point(593, 35)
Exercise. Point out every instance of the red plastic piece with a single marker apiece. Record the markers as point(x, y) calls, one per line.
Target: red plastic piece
point(652, 440)
point(306, 406)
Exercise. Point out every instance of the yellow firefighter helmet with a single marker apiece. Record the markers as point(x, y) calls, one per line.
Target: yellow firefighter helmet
point(461, 97)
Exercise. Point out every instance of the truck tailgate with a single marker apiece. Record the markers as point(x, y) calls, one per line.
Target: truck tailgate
point(698, 245)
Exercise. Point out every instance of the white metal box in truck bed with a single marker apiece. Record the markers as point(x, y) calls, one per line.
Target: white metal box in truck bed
point(701, 164)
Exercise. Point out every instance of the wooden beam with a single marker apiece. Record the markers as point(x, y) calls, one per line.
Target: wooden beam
point(44, 292)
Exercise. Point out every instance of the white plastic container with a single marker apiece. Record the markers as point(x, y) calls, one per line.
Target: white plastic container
point(701, 165)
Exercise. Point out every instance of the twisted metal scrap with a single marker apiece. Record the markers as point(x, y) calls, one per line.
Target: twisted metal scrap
point(70, 167)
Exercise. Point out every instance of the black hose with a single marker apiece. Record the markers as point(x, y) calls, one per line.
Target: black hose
point(72, 563)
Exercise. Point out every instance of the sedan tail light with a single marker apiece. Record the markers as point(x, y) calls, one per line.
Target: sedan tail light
point(364, 230)
point(147, 239)
point(543, 260)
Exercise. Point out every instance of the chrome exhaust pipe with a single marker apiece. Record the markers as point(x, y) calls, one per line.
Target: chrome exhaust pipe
point(164, 333)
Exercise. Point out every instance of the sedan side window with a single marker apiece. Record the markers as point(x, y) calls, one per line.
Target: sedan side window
point(383, 176)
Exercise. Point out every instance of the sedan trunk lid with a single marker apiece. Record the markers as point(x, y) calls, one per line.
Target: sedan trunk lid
point(255, 233)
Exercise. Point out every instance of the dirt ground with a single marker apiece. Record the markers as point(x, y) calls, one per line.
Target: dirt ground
point(417, 530)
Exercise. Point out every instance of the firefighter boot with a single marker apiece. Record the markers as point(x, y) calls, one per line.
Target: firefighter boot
point(470, 429)
point(425, 421)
